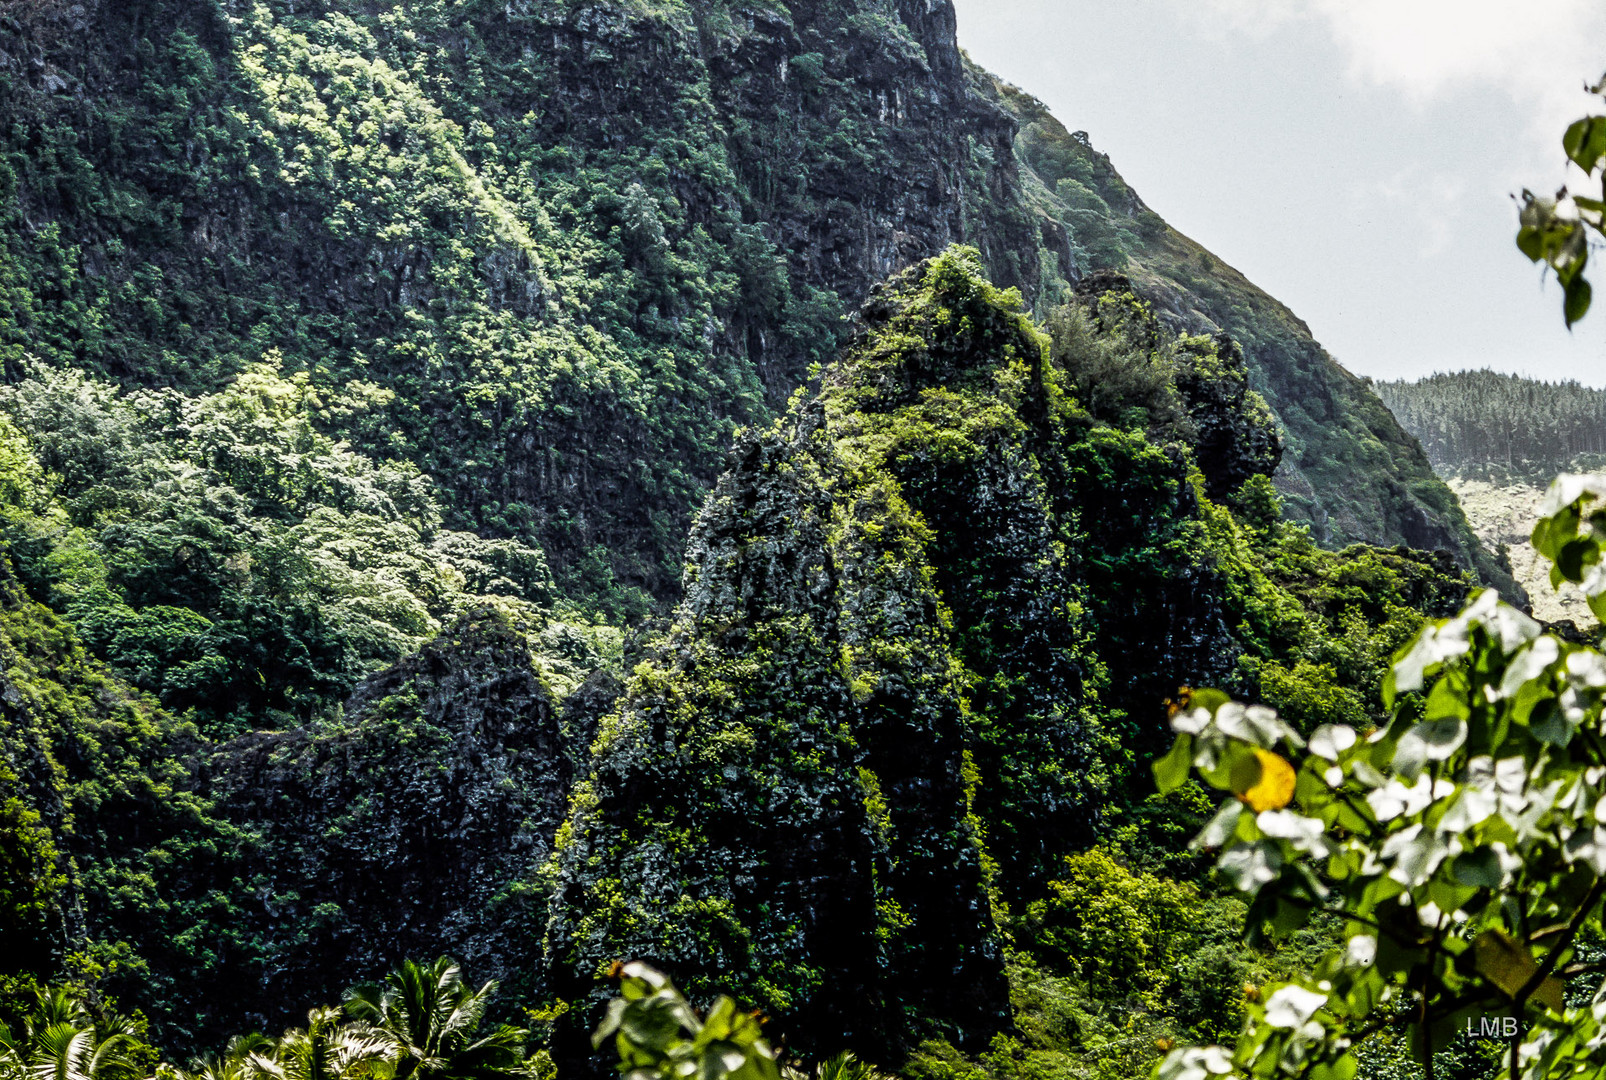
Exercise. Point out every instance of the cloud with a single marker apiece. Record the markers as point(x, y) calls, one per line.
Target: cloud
point(1427, 47)
point(1537, 52)
point(1427, 206)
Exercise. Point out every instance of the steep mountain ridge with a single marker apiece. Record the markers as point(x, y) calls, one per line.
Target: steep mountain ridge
point(367, 367)
point(928, 615)
point(580, 242)
point(1349, 470)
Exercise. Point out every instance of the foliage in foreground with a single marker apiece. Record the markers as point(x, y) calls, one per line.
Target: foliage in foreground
point(1557, 231)
point(63, 1039)
point(659, 1035)
point(423, 1021)
point(1462, 844)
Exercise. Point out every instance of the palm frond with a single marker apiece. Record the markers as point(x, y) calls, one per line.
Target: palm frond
point(465, 1017)
point(62, 1051)
point(111, 1060)
point(848, 1066)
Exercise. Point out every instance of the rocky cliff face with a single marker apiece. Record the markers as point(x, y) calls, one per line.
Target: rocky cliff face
point(558, 252)
point(580, 242)
point(415, 827)
point(1349, 472)
point(787, 799)
point(918, 612)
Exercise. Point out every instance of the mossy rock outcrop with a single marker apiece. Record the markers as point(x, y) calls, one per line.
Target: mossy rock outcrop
point(876, 717)
point(929, 617)
point(413, 827)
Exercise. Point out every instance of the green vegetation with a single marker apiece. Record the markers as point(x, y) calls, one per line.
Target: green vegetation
point(60, 1037)
point(909, 633)
point(908, 680)
point(657, 1033)
point(364, 368)
point(1456, 845)
point(223, 555)
point(430, 1018)
point(1556, 231)
point(1501, 427)
point(422, 1022)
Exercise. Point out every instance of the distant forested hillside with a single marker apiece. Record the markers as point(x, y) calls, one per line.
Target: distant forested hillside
point(1470, 421)
point(1498, 440)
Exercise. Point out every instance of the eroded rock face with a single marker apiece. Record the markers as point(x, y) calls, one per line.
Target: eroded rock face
point(1237, 435)
point(414, 827)
point(779, 804)
point(878, 709)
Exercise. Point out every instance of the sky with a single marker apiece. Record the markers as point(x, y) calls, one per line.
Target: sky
point(1355, 158)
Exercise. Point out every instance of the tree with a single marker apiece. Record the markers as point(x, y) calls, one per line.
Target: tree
point(1462, 847)
point(60, 1039)
point(237, 1061)
point(324, 1050)
point(658, 1036)
point(420, 1022)
point(432, 1016)
point(1121, 933)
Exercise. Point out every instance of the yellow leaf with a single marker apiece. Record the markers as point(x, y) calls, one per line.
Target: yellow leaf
point(1263, 781)
point(1509, 965)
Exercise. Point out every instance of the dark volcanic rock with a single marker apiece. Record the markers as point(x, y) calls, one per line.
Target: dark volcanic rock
point(413, 828)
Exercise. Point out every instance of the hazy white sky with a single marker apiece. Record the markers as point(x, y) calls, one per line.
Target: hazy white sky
point(1355, 158)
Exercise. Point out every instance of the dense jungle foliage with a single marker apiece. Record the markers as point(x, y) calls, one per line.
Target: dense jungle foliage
point(896, 728)
point(1482, 423)
point(444, 509)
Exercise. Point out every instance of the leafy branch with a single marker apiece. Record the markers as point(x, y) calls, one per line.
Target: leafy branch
point(1556, 230)
point(1463, 845)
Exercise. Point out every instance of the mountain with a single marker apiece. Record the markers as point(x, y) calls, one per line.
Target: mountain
point(729, 483)
point(1499, 440)
point(578, 244)
point(912, 659)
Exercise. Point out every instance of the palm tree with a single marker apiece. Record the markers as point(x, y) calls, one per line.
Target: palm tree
point(237, 1062)
point(844, 1066)
point(432, 1016)
point(61, 1040)
point(324, 1050)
